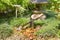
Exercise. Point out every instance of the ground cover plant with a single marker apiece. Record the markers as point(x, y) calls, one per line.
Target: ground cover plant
point(50, 27)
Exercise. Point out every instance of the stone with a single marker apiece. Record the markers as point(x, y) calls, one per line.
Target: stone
point(40, 16)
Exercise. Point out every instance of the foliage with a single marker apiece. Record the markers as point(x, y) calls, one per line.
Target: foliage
point(23, 3)
point(58, 16)
point(39, 22)
point(5, 30)
point(50, 28)
point(51, 24)
point(18, 21)
point(54, 5)
point(58, 33)
point(6, 5)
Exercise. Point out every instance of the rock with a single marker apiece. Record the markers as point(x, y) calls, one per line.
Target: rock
point(40, 16)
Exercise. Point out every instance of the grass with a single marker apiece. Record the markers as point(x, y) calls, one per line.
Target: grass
point(49, 28)
point(5, 30)
point(19, 21)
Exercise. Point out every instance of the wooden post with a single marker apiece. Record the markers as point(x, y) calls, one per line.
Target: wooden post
point(16, 12)
point(31, 22)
